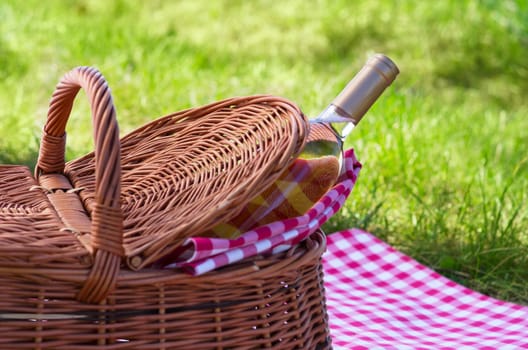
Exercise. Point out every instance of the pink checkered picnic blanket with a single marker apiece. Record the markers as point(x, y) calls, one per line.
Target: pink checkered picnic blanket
point(379, 298)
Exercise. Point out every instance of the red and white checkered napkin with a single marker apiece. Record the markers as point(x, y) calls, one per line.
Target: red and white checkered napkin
point(378, 298)
point(199, 255)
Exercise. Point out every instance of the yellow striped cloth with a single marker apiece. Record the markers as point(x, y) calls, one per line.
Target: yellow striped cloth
point(298, 188)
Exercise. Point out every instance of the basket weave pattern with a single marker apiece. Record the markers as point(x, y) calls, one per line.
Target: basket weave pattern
point(274, 302)
point(232, 150)
point(77, 239)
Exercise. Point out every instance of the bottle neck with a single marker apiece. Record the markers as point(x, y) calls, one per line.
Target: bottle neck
point(347, 109)
point(336, 117)
point(337, 127)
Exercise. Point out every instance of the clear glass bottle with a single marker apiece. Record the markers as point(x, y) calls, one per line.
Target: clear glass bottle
point(349, 107)
point(321, 162)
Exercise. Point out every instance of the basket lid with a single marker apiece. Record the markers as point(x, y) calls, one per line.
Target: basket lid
point(139, 197)
point(185, 172)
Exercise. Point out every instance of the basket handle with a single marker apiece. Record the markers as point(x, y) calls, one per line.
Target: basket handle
point(107, 218)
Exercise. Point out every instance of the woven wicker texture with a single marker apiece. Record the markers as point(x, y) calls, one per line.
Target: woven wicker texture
point(68, 232)
point(275, 302)
point(30, 234)
point(137, 199)
point(42, 238)
point(183, 173)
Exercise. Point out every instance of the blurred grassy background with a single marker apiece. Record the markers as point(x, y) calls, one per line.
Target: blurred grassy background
point(444, 149)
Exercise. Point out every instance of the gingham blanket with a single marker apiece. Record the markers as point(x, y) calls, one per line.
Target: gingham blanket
point(379, 298)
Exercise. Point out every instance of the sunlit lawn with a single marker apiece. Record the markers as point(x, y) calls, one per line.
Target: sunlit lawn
point(444, 150)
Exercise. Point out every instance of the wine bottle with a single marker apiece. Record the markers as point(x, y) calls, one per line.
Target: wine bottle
point(349, 107)
point(320, 163)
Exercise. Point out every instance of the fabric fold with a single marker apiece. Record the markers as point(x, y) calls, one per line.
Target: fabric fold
point(199, 255)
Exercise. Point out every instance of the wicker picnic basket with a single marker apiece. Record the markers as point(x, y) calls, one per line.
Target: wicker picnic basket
point(78, 240)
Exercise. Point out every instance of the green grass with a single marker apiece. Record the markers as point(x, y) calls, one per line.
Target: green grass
point(444, 149)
